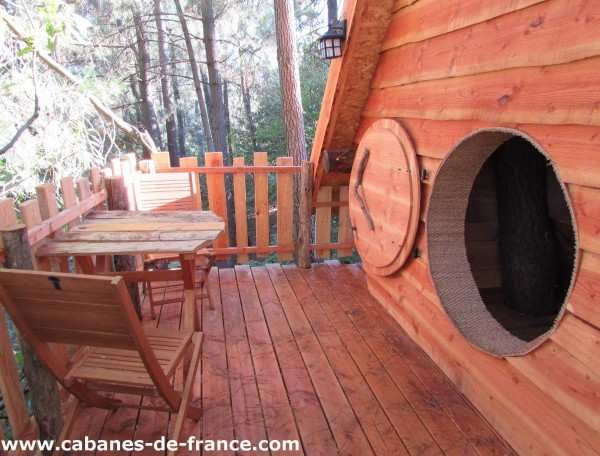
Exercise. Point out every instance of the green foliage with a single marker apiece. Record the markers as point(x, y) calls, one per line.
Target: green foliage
point(313, 76)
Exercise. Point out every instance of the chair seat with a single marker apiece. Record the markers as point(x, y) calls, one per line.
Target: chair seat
point(107, 366)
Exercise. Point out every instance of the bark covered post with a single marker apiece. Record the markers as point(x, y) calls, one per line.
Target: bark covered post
point(45, 398)
point(117, 200)
point(289, 75)
point(303, 242)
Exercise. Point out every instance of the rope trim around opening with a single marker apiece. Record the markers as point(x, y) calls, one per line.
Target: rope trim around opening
point(449, 264)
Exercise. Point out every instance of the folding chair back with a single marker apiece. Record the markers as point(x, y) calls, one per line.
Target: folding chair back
point(69, 309)
point(166, 192)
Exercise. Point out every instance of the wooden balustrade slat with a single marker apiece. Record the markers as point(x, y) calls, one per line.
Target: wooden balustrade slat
point(46, 197)
point(70, 200)
point(285, 209)
point(96, 179)
point(345, 234)
point(323, 221)
point(115, 167)
point(188, 162)
point(30, 212)
point(8, 216)
point(241, 210)
point(147, 167)
point(32, 219)
point(47, 200)
point(261, 201)
point(132, 159)
point(217, 201)
point(128, 170)
point(67, 188)
point(161, 160)
point(84, 189)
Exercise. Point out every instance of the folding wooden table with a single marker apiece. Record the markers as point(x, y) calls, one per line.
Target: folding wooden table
point(106, 233)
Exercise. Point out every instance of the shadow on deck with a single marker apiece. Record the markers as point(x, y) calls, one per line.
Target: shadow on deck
point(309, 356)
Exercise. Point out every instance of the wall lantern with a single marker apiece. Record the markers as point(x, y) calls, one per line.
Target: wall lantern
point(331, 45)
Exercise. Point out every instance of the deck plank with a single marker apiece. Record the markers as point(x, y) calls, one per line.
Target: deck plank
point(400, 347)
point(315, 433)
point(349, 360)
point(216, 398)
point(248, 418)
point(361, 326)
point(279, 419)
point(310, 355)
point(346, 428)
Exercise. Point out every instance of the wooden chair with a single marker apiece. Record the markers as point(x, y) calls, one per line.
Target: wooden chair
point(115, 353)
point(171, 192)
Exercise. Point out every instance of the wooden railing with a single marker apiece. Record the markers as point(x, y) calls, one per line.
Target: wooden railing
point(42, 219)
point(269, 190)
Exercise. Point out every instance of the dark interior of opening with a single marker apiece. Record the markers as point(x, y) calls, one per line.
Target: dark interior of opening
point(520, 239)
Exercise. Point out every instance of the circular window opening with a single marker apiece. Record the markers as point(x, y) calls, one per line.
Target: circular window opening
point(502, 242)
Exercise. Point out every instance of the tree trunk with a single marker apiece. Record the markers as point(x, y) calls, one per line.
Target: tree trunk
point(143, 61)
point(169, 111)
point(206, 90)
point(303, 241)
point(247, 102)
point(217, 109)
point(179, 109)
point(196, 77)
point(227, 119)
point(45, 399)
point(200, 134)
point(289, 75)
point(133, 83)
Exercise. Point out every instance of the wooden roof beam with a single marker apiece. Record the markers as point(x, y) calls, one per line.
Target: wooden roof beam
point(349, 79)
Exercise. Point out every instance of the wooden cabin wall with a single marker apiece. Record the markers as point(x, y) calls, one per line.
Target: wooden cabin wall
point(449, 67)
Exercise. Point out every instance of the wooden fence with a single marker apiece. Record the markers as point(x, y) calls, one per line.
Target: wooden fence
point(42, 218)
point(272, 218)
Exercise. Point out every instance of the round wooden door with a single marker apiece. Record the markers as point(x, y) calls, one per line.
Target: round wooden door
point(385, 197)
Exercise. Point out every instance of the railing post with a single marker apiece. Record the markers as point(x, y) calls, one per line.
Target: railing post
point(303, 247)
point(45, 398)
point(285, 209)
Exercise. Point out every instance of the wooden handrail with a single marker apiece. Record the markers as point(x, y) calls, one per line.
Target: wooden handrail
point(234, 170)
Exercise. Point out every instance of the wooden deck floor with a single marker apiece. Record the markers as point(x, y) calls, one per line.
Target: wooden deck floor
point(309, 355)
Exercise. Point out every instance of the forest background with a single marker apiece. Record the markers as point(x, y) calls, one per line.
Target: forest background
point(139, 58)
